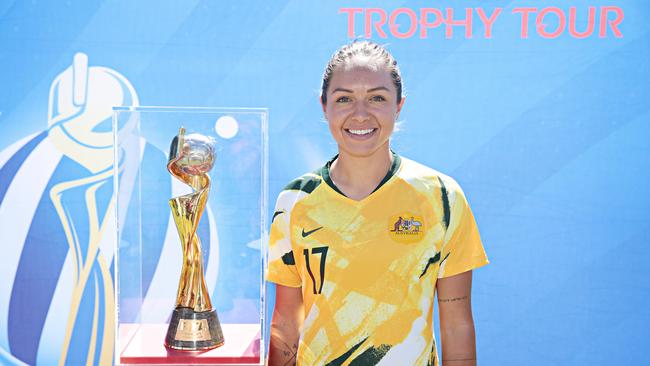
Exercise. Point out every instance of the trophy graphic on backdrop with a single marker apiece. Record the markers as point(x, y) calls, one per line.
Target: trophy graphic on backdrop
point(194, 324)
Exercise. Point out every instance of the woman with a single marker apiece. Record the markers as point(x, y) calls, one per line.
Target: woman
point(358, 247)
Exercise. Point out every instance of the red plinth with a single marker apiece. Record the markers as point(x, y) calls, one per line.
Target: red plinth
point(144, 344)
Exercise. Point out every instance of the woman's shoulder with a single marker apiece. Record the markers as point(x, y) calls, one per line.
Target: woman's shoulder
point(425, 177)
point(306, 183)
point(299, 188)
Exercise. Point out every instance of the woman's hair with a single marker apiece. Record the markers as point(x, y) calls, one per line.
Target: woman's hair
point(367, 51)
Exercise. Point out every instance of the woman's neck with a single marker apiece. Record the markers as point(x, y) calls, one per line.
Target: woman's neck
point(357, 177)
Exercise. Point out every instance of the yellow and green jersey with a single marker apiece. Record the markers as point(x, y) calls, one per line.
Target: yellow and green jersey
point(368, 268)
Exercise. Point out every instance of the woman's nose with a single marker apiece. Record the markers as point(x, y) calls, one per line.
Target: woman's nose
point(361, 111)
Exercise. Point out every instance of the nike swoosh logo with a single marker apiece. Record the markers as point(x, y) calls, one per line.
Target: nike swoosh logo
point(307, 233)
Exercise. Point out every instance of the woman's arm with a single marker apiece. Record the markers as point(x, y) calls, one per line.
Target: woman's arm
point(288, 315)
point(456, 322)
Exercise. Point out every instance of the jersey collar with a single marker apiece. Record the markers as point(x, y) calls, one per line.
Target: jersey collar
point(394, 167)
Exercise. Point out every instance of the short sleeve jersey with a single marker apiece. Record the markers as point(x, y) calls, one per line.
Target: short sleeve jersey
point(368, 269)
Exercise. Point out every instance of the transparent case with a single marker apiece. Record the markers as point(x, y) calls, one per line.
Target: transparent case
point(231, 230)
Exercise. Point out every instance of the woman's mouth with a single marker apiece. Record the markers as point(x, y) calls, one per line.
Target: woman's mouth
point(360, 133)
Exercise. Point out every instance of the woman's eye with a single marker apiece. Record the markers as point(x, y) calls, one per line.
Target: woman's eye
point(342, 99)
point(377, 98)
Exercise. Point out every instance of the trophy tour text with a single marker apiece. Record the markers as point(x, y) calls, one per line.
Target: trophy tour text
point(548, 22)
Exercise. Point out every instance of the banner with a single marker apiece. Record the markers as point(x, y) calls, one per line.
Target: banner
point(539, 109)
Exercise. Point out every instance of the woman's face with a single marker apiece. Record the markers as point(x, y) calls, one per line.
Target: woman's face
point(361, 109)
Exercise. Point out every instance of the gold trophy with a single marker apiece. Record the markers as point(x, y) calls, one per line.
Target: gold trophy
point(194, 324)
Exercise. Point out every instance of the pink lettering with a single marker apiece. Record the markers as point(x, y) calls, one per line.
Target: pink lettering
point(377, 24)
point(550, 22)
point(351, 12)
point(450, 23)
point(394, 27)
point(591, 21)
point(604, 10)
point(425, 24)
point(541, 26)
point(524, 19)
point(488, 22)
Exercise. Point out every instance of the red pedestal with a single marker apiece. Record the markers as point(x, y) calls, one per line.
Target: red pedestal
point(144, 344)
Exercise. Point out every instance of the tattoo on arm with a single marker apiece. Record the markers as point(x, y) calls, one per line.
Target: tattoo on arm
point(452, 300)
point(290, 352)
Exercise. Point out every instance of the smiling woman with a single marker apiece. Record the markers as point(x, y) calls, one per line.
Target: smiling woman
point(359, 247)
point(364, 88)
point(362, 111)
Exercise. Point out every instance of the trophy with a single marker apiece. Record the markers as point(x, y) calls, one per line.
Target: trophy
point(194, 324)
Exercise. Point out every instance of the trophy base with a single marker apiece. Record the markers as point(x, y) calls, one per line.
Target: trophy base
point(194, 331)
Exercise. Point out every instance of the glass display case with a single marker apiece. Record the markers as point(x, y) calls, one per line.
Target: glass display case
point(151, 252)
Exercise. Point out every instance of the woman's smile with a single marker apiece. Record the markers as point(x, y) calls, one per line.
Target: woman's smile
point(361, 134)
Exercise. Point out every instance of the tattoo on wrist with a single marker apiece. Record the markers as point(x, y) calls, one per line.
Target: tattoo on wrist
point(453, 299)
point(290, 353)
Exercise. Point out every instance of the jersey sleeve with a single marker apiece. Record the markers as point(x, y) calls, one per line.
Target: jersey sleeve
point(281, 263)
point(462, 248)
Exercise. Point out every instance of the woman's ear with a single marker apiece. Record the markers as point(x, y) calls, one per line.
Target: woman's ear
point(320, 100)
point(400, 105)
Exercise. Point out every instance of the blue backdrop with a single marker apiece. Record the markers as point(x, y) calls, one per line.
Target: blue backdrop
point(547, 134)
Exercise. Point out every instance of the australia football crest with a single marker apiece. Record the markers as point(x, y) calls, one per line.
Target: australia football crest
point(406, 228)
